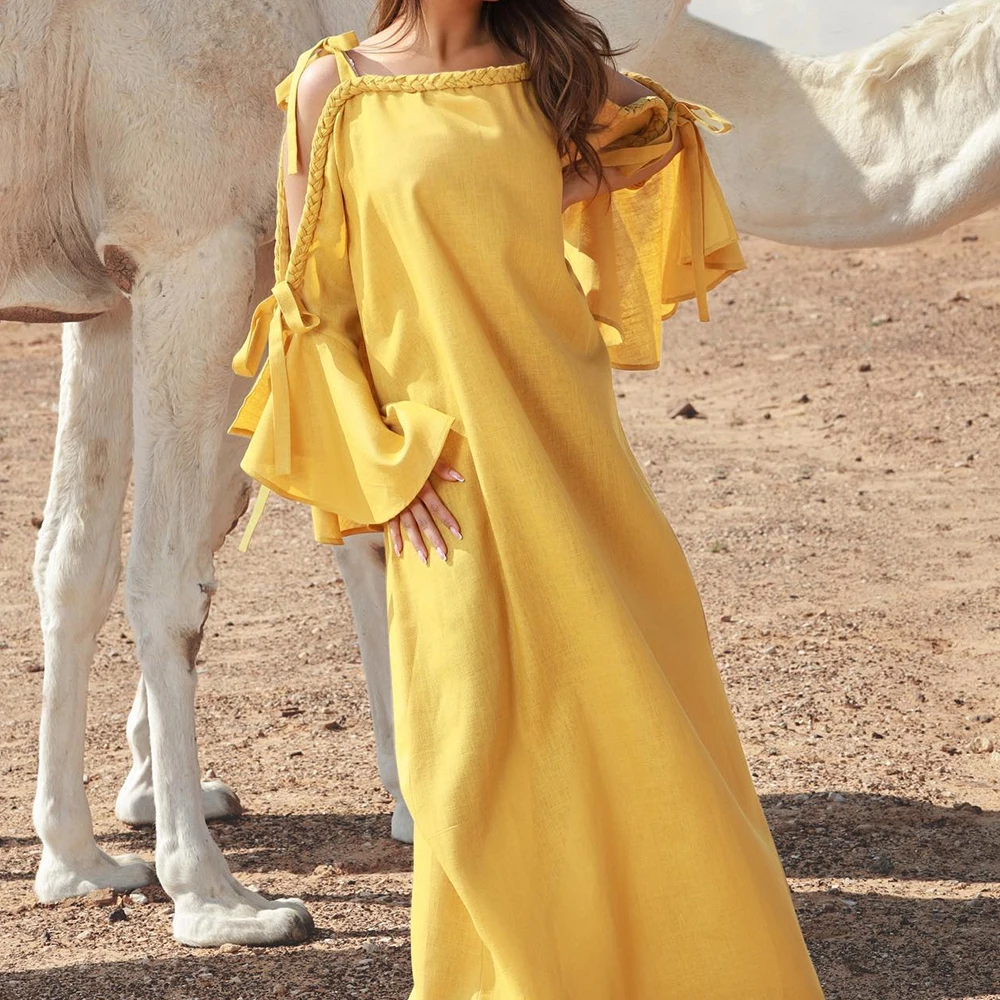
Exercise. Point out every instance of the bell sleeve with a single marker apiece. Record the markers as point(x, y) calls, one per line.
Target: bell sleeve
point(317, 433)
point(639, 251)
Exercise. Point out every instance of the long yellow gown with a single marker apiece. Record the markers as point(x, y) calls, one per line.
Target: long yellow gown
point(587, 828)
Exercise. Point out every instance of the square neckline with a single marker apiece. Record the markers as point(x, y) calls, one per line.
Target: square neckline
point(521, 66)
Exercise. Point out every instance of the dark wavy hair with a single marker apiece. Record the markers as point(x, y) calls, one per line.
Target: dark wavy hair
point(566, 50)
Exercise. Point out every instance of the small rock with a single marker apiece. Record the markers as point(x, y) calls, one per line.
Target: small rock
point(85, 935)
point(865, 366)
point(881, 320)
point(967, 807)
point(117, 915)
point(770, 650)
point(33, 666)
point(804, 398)
point(229, 948)
point(982, 744)
point(138, 899)
point(36, 520)
point(685, 410)
point(210, 775)
point(101, 897)
point(961, 297)
point(727, 618)
point(970, 238)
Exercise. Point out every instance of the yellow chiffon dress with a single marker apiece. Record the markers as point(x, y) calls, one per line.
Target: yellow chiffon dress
point(586, 824)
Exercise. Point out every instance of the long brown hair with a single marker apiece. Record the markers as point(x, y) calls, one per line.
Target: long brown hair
point(567, 52)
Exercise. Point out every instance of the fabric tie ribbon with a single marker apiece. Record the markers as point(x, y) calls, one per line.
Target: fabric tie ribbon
point(286, 93)
point(275, 321)
point(687, 117)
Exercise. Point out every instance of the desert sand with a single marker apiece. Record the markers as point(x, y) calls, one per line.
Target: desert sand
point(839, 501)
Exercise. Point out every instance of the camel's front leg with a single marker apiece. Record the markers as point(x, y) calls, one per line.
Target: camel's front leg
point(134, 804)
point(362, 565)
point(77, 564)
point(188, 316)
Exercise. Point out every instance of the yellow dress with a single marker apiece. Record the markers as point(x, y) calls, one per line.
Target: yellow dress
point(587, 828)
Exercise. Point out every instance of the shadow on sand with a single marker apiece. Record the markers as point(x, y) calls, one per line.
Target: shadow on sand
point(873, 932)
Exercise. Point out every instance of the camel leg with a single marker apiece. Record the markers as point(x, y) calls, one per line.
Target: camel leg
point(77, 566)
point(134, 804)
point(362, 565)
point(188, 317)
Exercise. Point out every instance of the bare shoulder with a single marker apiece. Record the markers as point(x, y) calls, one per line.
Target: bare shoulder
point(318, 80)
point(623, 90)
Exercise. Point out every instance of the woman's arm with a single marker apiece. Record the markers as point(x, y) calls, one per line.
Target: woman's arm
point(419, 519)
point(623, 90)
point(315, 85)
point(582, 186)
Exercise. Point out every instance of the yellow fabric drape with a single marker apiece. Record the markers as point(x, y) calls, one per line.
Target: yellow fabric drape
point(640, 251)
point(316, 432)
point(586, 824)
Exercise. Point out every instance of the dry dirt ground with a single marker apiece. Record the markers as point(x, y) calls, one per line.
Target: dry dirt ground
point(840, 504)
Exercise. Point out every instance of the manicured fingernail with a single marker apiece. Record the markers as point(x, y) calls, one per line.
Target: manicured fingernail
point(399, 550)
point(423, 557)
point(456, 532)
point(457, 476)
point(443, 554)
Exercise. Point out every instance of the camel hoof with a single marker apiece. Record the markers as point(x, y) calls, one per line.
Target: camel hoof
point(134, 805)
point(251, 920)
point(57, 880)
point(402, 824)
point(220, 801)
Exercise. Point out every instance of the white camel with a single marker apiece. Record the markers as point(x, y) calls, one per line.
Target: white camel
point(888, 144)
point(136, 206)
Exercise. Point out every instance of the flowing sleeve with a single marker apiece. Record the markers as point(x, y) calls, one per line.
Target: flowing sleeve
point(317, 432)
point(641, 250)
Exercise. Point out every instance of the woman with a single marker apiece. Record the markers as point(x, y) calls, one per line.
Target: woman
point(441, 337)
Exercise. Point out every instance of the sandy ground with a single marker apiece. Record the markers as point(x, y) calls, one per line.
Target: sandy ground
point(840, 504)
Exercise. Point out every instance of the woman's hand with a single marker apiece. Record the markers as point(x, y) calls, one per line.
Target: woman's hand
point(417, 521)
point(583, 186)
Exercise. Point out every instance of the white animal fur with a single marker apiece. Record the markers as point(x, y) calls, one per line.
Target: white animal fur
point(139, 80)
point(889, 144)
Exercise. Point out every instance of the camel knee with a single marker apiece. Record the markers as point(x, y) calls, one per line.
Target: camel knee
point(168, 614)
point(75, 577)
